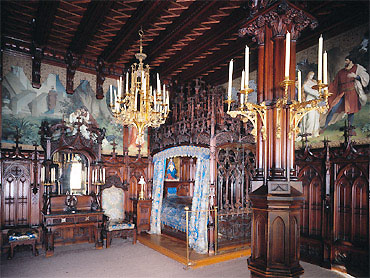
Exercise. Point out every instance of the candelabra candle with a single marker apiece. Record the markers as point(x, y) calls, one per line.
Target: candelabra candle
point(242, 92)
point(325, 66)
point(111, 95)
point(42, 174)
point(299, 86)
point(230, 79)
point(287, 54)
point(319, 71)
point(246, 81)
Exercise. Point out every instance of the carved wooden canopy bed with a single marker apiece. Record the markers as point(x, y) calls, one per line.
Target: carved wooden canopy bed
point(171, 197)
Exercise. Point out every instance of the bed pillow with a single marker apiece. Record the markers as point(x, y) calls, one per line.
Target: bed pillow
point(171, 192)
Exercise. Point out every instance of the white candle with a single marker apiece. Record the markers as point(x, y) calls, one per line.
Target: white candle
point(158, 85)
point(136, 99)
point(144, 85)
point(116, 100)
point(230, 79)
point(319, 71)
point(287, 54)
point(52, 175)
point(155, 100)
point(42, 174)
point(299, 86)
point(103, 175)
point(164, 97)
point(325, 69)
point(246, 81)
point(126, 83)
point(118, 88)
point(242, 87)
point(242, 82)
point(111, 95)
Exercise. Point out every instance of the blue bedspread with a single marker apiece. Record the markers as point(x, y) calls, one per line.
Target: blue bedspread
point(173, 212)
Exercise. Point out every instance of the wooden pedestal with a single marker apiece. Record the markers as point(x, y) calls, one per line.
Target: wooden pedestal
point(275, 234)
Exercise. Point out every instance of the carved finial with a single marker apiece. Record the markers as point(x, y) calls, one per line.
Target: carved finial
point(114, 144)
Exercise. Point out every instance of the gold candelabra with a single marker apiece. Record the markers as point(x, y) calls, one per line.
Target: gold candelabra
point(298, 109)
point(250, 112)
point(140, 106)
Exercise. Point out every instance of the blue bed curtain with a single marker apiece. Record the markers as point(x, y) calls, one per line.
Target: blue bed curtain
point(198, 220)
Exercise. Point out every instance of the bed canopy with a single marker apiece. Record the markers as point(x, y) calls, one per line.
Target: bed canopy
point(198, 221)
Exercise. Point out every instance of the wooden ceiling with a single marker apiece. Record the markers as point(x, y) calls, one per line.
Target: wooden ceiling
point(184, 39)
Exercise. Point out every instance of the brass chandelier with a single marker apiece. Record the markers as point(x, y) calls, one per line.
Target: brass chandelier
point(140, 106)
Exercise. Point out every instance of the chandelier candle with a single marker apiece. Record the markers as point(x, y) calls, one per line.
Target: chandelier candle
point(299, 86)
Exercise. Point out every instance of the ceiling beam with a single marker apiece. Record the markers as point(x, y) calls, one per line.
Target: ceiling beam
point(90, 23)
point(228, 52)
point(144, 14)
point(210, 38)
point(44, 21)
point(181, 26)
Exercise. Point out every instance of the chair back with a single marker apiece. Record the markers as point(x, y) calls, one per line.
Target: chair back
point(112, 199)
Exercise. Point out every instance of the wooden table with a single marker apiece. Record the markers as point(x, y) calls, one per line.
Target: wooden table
point(62, 228)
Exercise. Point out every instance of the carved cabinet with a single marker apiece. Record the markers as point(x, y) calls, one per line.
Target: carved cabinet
point(142, 211)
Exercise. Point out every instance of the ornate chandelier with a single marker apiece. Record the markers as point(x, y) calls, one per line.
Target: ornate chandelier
point(140, 106)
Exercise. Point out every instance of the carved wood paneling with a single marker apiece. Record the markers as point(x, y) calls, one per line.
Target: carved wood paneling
point(335, 214)
point(16, 194)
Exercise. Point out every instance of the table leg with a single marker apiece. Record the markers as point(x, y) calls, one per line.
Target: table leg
point(11, 252)
point(98, 238)
point(49, 244)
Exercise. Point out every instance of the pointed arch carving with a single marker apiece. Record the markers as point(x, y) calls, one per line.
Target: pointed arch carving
point(278, 240)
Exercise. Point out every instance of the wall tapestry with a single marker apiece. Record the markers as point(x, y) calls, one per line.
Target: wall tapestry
point(25, 107)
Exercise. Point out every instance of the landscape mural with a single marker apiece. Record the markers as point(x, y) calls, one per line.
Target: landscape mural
point(25, 107)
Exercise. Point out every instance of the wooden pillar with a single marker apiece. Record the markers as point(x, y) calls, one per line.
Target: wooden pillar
point(276, 195)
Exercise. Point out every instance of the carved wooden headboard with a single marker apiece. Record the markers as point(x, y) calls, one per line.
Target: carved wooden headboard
point(183, 188)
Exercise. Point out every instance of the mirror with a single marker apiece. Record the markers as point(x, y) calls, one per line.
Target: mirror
point(72, 173)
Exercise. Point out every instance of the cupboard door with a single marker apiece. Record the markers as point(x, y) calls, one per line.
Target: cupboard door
point(16, 195)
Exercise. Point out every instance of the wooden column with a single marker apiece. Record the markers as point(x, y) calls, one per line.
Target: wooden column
point(277, 196)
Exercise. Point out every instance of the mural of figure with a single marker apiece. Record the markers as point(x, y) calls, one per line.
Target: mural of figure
point(83, 116)
point(171, 173)
point(347, 92)
point(51, 101)
point(311, 121)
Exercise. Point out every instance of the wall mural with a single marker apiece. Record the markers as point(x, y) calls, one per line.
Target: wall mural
point(350, 102)
point(24, 107)
point(354, 43)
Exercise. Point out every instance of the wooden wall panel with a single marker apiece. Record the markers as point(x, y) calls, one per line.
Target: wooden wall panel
point(335, 214)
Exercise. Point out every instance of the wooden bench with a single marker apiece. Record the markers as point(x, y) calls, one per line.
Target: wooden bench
point(22, 236)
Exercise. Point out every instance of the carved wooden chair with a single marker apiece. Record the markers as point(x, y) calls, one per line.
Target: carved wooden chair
point(115, 225)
